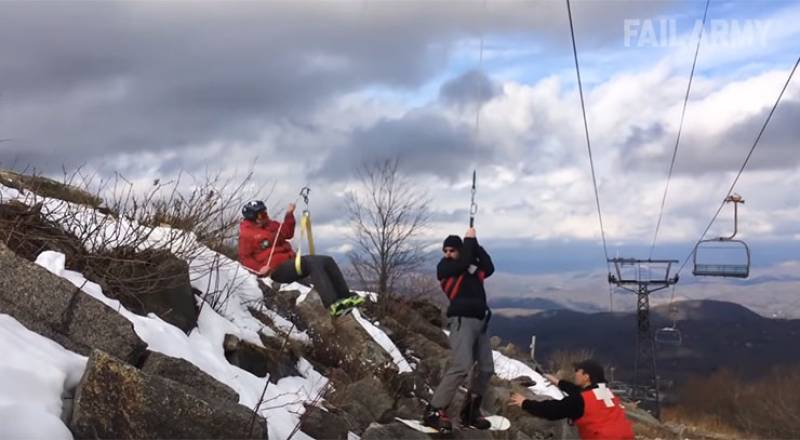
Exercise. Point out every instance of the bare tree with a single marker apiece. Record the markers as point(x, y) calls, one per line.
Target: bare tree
point(386, 214)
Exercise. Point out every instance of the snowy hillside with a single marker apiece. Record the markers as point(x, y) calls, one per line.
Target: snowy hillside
point(36, 373)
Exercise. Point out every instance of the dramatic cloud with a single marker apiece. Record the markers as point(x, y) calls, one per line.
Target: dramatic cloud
point(473, 88)
point(302, 93)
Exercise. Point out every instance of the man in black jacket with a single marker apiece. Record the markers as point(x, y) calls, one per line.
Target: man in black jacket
point(594, 409)
point(461, 273)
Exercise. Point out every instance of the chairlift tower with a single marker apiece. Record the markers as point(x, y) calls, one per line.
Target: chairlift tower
point(636, 276)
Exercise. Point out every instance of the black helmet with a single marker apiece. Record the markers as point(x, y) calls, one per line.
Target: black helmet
point(251, 209)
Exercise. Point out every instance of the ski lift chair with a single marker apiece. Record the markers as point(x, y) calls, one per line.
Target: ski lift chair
point(723, 256)
point(669, 336)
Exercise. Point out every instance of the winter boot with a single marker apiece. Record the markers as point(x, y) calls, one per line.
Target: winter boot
point(437, 419)
point(471, 413)
point(344, 305)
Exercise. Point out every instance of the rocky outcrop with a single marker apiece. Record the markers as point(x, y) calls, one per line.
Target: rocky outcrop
point(116, 400)
point(366, 401)
point(341, 342)
point(151, 281)
point(273, 358)
point(193, 379)
point(392, 431)
point(54, 308)
point(521, 421)
point(324, 424)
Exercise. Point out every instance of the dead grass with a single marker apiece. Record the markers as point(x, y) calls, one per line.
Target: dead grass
point(724, 402)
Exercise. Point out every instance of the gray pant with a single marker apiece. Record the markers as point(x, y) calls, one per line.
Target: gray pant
point(468, 344)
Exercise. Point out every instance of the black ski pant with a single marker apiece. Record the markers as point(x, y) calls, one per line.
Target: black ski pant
point(324, 273)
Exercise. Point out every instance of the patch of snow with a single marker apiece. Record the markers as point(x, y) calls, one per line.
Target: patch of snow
point(507, 368)
point(203, 347)
point(238, 290)
point(302, 288)
point(384, 341)
point(372, 296)
point(34, 373)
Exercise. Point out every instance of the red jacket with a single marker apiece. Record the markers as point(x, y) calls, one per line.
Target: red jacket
point(256, 242)
point(603, 416)
point(595, 411)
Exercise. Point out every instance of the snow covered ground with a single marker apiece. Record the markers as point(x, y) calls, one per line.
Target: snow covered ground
point(507, 368)
point(34, 373)
point(384, 341)
point(203, 347)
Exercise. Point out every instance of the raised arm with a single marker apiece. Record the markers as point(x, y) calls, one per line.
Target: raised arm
point(485, 262)
point(287, 230)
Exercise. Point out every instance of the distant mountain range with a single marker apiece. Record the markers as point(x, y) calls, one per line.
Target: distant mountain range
point(538, 304)
point(715, 335)
point(770, 291)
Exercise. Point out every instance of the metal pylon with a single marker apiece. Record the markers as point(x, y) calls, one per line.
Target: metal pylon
point(645, 384)
point(645, 378)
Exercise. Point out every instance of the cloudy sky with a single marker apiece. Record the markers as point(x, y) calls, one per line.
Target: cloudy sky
point(304, 92)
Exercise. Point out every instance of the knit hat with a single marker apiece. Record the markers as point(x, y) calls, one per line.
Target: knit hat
point(453, 241)
point(593, 369)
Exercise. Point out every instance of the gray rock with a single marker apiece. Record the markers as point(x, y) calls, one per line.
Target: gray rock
point(54, 308)
point(409, 408)
point(261, 360)
point(195, 380)
point(150, 281)
point(324, 425)
point(392, 431)
point(533, 427)
point(365, 401)
point(116, 400)
point(342, 342)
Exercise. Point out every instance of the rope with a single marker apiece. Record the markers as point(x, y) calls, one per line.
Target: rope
point(591, 158)
point(586, 130)
point(680, 130)
point(305, 231)
point(744, 164)
point(280, 227)
point(473, 207)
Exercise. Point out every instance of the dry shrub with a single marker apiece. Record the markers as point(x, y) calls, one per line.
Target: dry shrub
point(65, 190)
point(562, 362)
point(28, 233)
point(120, 244)
point(724, 402)
point(130, 275)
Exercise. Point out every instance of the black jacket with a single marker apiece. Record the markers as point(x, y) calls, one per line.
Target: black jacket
point(462, 280)
point(570, 407)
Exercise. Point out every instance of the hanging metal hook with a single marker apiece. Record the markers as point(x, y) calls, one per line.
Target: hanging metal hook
point(735, 199)
point(304, 194)
point(473, 207)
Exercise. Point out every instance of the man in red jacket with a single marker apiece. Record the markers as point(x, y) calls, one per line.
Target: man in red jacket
point(596, 412)
point(263, 240)
point(264, 248)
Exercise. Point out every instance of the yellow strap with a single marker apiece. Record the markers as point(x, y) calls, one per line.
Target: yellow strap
point(305, 231)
